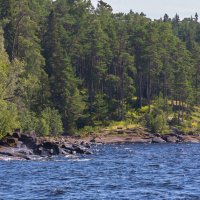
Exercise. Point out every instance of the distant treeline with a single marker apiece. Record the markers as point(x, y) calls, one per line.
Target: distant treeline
point(65, 64)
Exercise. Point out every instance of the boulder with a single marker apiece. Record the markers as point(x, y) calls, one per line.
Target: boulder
point(16, 135)
point(85, 144)
point(29, 139)
point(80, 149)
point(53, 147)
point(172, 139)
point(47, 148)
point(158, 140)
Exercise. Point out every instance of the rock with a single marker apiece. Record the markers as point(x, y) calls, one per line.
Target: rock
point(172, 139)
point(53, 147)
point(29, 139)
point(24, 151)
point(158, 140)
point(75, 148)
point(24, 145)
point(47, 149)
point(141, 140)
point(157, 135)
point(85, 144)
point(13, 152)
point(16, 135)
point(128, 131)
point(10, 142)
point(17, 130)
point(63, 152)
point(80, 149)
point(93, 140)
point(190, 139)
point(150, 135)
point(31, 134)
point(190, 133)
point(20, 145)
point(120, 131)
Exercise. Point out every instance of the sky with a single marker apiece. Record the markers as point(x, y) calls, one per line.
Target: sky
point(156, 8)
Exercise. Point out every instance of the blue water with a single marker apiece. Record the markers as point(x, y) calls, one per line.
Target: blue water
point(113, 172)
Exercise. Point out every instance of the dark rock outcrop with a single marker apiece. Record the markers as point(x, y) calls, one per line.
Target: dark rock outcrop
point(27, 145)
point(30, 140)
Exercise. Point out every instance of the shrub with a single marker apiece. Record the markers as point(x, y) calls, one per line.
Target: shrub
point(51, 122)
point(156, 121)
point(48, 123)
point(29, 121)
point(43, 127)
point(132, 116)
point(144, 109)
point(8, 118)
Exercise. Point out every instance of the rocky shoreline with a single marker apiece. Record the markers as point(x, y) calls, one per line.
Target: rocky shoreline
point(141, 135)
point(27, 146)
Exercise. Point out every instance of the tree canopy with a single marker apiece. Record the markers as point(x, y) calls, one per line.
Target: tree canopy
point(88, 65)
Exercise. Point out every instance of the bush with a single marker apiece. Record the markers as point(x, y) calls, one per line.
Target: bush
point(43, 127)
point(144, 109)
point(29, 121)
point(50, 122)
point(8, 118)
point(156, 121)
point(132, 116)
point(186, 126)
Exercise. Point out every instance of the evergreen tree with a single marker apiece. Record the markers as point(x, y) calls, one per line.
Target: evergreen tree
point(63, 83)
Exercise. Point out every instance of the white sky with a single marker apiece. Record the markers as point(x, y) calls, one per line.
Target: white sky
point(156, 8)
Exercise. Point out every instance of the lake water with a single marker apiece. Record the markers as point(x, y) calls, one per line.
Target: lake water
point(115, 172)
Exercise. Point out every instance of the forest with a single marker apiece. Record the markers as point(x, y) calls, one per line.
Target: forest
point(66, 66)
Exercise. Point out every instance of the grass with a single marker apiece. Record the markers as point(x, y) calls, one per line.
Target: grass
point(121, 124)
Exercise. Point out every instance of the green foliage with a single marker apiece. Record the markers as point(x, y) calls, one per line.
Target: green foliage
point(29, 121)
point(133, 116)
point(88, 64)
point(50, 123)
point(43, 127)
point(144, 109)
point(156, 121)
point(8, 118)
point(186, 126)
point(99, 109)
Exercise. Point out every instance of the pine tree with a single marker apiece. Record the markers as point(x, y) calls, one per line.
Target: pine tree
point(63, 83)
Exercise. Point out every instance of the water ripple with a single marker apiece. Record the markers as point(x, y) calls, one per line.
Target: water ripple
point(138, 172)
